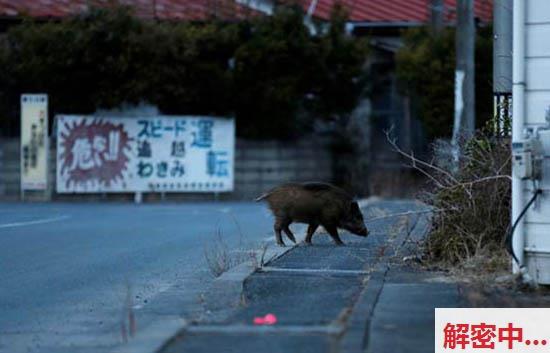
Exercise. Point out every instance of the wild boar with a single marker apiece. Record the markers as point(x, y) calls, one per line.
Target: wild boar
point(314, 204)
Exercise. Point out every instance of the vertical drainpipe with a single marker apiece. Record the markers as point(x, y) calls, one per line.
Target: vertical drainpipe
point(518, 120)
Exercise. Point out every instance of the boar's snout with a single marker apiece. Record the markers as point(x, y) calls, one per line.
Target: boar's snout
point(356, 227)
point(355, 222)
point(363, 232)
point(359, 230)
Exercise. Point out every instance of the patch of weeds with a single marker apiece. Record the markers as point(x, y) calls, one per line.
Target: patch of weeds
point(220, 258)
point(257, 258)
point(475, 209)
point(128, 323)
point(471, 203)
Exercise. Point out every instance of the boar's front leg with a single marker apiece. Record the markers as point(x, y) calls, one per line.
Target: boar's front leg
point(333, 231)
point(278, 227)
point(289, 234)
point(310, 230)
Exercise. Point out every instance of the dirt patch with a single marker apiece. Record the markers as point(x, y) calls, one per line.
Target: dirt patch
point(493, 287)
point(505, 295)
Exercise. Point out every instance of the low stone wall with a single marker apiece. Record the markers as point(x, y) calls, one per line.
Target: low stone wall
point(259, 166)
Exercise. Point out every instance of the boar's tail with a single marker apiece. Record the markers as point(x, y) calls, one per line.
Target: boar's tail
point(263, 196)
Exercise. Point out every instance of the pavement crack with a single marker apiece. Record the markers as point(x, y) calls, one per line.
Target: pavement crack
point(371, 312)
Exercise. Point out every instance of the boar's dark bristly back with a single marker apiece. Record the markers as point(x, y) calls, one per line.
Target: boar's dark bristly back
point(320, 187)
point(317, 186)
point(275, 189)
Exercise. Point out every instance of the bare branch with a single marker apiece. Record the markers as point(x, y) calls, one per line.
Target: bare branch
point(415, 161)
point(481, 180)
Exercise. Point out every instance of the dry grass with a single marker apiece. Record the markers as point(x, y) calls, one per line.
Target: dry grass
point(128, 323)
point(220, 258)
point(471, 206)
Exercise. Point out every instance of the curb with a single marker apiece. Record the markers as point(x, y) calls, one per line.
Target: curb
point(154, 337)
point(357, 331)
point(355, 338)
point(224, 292)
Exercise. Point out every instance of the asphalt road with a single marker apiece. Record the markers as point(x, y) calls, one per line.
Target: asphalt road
point(69, 272)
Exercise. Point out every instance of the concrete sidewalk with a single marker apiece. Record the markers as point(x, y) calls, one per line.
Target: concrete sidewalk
point(356, 298)
point(403, 317)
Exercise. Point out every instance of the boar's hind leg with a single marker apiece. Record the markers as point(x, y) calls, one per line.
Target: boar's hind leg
point(310, 230)
point(289, 234)
point(278, 228)
point(333, 231)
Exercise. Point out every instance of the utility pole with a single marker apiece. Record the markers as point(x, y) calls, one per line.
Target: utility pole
point(502, 66)
point(464, 117)
point(437, 9)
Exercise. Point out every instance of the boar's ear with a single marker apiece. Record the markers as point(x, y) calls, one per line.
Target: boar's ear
point(355, 206)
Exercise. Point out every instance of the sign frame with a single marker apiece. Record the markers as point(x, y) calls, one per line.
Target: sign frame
point(34, 143)
point(136, 154)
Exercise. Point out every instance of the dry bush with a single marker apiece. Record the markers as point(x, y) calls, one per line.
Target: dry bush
point(471, 203)
point(219, 258)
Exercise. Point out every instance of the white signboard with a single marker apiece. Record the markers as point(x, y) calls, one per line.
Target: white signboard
point(34, 141)
point(168, 154)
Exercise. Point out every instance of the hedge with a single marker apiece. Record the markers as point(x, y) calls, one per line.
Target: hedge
point(270, 73)
point(426, 69)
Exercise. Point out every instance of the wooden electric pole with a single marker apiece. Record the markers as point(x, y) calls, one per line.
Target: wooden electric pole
point(502, 66)
point(437, 9)
point(464, 122)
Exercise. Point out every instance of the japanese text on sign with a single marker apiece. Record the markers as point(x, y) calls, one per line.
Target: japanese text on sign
point(145, 154)
point(495, 330)
point(34, 141)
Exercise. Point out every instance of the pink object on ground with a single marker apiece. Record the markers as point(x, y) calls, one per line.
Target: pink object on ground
point(269, 319)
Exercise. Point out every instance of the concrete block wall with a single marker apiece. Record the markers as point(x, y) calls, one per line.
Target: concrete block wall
point(259, 166)
point(10, 169)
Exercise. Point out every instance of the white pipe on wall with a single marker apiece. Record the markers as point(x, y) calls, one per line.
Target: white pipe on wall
point(518, 121)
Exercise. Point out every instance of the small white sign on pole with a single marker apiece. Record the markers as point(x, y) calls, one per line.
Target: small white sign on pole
point(34, 142)
point(149, 154)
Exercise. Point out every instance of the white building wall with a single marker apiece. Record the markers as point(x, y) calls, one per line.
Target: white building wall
point(537, 60)
point(537, 101)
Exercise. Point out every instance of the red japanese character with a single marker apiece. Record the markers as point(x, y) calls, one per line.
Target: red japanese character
point(482, 335)
point(510, 334)
point(456, 335)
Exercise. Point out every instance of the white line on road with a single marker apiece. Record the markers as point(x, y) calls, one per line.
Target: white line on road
point(38, 221)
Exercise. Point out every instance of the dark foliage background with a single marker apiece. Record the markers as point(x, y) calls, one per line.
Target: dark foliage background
point(270, 73)
point(426, 69)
